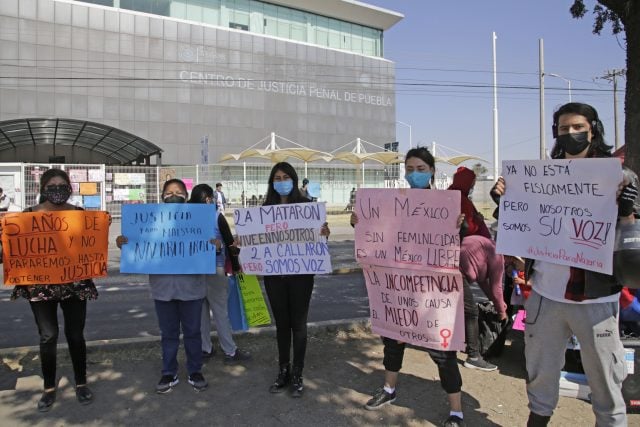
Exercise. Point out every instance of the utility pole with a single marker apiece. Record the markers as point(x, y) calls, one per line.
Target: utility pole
point(495, 110)
point(543, 148)
point(612, 77)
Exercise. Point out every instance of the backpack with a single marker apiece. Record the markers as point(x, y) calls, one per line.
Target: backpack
point(493, 331)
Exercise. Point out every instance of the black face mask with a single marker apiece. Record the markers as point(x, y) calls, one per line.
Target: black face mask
point(57, 194)
point(174, 198)
point(573, 143)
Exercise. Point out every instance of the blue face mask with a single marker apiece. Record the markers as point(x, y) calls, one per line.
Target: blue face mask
point(417, 179)
point(283, 188)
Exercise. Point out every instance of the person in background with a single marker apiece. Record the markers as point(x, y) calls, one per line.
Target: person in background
point(178, 301)
point(215, 300)
point(420, 171)
point(630, 311)
point(289, 295)
point(55, 191)
point(480, 264)
point(464, 180)
point(568, 300)
point(303, 189)
point(221, 201)
point(5, 202)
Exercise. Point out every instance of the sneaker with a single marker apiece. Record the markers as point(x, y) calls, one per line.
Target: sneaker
point(166, 384)
point(198, 382)
point(238, 357)
point(380, 398)
point(453, 421)
point(479, 363)
point(206, 355)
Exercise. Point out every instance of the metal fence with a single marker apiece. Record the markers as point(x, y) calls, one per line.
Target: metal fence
point(103, 187)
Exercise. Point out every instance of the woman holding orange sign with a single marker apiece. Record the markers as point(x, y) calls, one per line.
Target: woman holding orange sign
point(55, 190)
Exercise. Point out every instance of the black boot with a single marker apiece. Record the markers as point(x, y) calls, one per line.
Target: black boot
point(297, 388)
point(536, 420)
point(283, 379)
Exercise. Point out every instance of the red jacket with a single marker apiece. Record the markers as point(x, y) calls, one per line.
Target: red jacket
point(463, 180)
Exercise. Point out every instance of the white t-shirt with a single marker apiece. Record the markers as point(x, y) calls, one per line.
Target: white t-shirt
point(550, 281)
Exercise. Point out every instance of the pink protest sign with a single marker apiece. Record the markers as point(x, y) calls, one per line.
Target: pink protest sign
point(424, 308)
point(408, 228)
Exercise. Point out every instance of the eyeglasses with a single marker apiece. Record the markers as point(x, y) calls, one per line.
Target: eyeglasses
point(59, 187)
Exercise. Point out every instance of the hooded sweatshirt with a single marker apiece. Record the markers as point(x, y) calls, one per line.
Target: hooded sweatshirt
point(463, 180)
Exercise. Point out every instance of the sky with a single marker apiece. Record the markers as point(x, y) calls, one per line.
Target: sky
point(450, 43)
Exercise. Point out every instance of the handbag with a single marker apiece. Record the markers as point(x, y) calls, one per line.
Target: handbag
point(235, 308)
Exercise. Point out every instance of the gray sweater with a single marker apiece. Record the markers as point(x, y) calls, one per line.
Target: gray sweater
point(183, 287)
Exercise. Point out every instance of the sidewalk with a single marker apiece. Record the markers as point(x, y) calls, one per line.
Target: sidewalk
point(343, 366)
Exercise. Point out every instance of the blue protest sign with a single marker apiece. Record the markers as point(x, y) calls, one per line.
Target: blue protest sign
point(169, 238)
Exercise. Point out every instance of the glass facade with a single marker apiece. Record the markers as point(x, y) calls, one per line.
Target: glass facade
point(264, 18)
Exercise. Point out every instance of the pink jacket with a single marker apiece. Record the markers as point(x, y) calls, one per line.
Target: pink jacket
point(480, 263)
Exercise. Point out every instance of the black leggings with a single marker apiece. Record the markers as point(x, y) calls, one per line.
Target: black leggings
point(289, 297)
point(46, 316)
point(447, 362)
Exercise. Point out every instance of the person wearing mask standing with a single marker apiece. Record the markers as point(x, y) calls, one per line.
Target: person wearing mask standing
point(44, 299)
point(420, 171)
point(178, 302)
point(289, 295)
point(567, 301)
point(215, 301)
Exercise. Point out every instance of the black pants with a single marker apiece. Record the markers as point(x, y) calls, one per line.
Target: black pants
point(46, 316)
point(447, 362)
point(289, 297)
point(471, 328)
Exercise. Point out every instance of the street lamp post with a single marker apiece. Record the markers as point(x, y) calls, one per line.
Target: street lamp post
point(409, 126)
point(565, 79)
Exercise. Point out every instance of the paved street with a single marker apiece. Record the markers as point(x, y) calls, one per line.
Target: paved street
point(125, 309)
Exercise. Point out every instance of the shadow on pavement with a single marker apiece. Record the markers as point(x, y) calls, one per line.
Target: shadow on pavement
point(342, 368)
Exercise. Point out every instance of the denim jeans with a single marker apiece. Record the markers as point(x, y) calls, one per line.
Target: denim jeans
point(172, 316)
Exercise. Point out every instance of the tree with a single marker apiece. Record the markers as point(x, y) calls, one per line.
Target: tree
point(624, 16)
point(479, 170)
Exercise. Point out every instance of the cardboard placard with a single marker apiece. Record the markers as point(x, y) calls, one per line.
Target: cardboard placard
point(560, 211)
point(54, 247)
point(169, 238)
point(283, 239)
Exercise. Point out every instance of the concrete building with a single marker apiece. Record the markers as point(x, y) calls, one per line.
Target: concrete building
point(122, 81)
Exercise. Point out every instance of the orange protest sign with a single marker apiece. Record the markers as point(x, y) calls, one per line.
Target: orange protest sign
point(54, 247)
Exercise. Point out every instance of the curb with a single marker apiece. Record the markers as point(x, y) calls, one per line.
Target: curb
point(336, 271)
point(355, 324)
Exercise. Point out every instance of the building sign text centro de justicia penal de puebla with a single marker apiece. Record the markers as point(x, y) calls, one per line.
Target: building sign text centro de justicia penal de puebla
point(283, 239)
point(560, 211)
point(288, 88)
point(408, 245)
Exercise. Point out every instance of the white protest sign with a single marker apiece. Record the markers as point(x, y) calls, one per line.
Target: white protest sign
point(560, 211)
point(422, 308)
point(408, 228)
point(283, 239)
